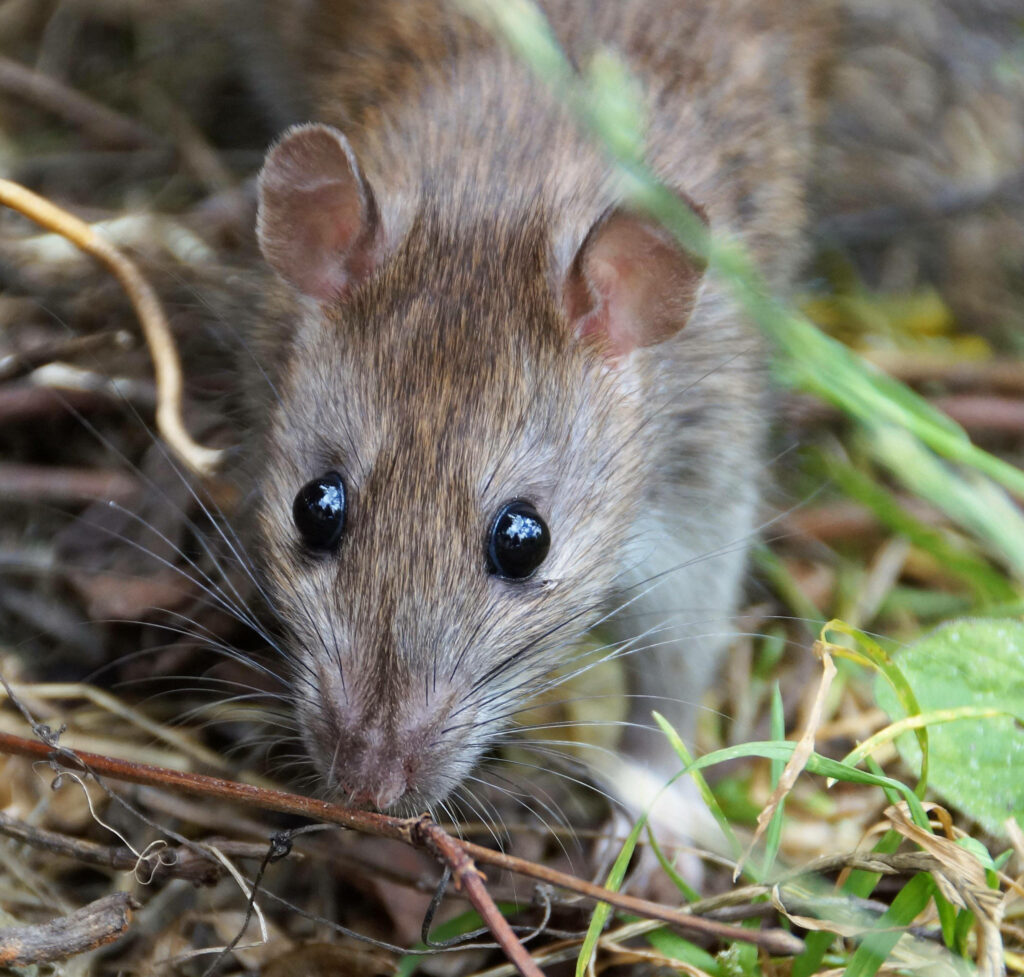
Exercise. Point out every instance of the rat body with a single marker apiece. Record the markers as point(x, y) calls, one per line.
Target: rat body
point(506, 407)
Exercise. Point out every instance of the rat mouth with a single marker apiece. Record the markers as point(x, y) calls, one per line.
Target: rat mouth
point(378, 793)
point(389, 794)
point(386, 770)
point(390, 753)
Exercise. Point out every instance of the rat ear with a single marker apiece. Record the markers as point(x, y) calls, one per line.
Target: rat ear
point(317, 221)
point(631, 284)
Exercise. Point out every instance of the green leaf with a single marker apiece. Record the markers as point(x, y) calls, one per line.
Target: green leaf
point(774, 570)
point(677, 948)
point(988, 584)
point(975, 763)
point(773, 836)
point(816, 764)
point(740, 960)
point(876, 946)
point(978, 505)
point(702, 785)
point(603, 910)
point(947, 919)
point(962, 931)
point(463, 923)
point(870, 652)
point(685, 889)
point(615, 93)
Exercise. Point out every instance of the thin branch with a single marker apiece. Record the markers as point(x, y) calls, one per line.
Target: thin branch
point(147, 306)
point(1003, 375)
point(180, 862)
point(107, 127)
point(409, 830)
point(55, 484)
point(20, 364)
point(470, 879)
point(95, 925)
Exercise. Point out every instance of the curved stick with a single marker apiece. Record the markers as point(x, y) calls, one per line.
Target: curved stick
point(164, 353)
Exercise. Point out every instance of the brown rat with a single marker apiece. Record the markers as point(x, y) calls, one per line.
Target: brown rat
point(507, 407)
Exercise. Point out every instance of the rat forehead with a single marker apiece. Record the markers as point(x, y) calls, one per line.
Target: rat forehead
point(432, 350)
point(434, 379)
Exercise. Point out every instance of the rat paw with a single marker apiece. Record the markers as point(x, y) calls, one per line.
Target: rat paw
point(680, 822)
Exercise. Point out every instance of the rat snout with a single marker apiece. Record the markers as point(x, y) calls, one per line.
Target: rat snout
point(391, 759)
point(372, 768)
point(379, 789)
point(389, 740)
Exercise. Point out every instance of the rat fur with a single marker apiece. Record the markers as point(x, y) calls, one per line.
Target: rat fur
point(468, 315)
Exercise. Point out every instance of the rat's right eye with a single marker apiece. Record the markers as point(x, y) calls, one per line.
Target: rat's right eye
point(519, 541)
point(319, 512)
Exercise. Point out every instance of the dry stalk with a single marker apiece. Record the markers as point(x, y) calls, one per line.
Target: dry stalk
point(164, 353)
point(417, 832)
point(93, 926)
point(102, 123)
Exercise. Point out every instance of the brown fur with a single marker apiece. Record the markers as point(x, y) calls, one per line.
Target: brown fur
point(449, 380)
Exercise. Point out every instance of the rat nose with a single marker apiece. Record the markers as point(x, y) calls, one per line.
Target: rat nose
point(371, 769)
point(379, 792)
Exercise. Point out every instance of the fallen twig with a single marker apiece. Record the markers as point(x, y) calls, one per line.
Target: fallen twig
point(23, 402)
point(913, 366)
point(408, 830)
point(147, 306)
point(15, 365)
point(107, 127)
point(177, 863)
point(978, 414)
point(92, 926)
point(984, 413)
point(470, 879)
point(53, 484)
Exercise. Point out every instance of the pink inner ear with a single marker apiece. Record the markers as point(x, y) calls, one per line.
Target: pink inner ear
point(317, 219)
point(631, 285)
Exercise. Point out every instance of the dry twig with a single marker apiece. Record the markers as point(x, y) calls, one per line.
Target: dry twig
point(412, 831)
point(470, 880)
point(107, 127)
point(21, 402)
point(178, 863)
point(147, 306)
point(95, 925)
point(1001, 375)
point(20, 364)
point(53, 484)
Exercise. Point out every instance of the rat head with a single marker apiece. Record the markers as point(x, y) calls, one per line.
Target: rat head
point(455, 458)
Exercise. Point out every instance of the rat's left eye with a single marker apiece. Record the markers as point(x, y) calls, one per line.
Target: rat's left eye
point(319, 512)
point(518, 542)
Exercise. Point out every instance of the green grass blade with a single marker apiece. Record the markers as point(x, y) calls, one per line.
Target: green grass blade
point(988, 584)
point(773, 834)
point(602, 910)
point(876, 946)
point(873, 654)
point(702, 785)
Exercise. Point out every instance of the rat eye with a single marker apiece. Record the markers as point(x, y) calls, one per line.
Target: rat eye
point(518, 542)
point(319, 511)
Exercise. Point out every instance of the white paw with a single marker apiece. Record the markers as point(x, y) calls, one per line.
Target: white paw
point(677, 816)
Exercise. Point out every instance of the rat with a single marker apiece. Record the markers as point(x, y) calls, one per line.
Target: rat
point(506, 406)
